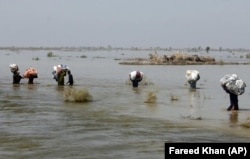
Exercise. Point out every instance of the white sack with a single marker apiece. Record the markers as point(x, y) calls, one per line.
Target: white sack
point(233, 84)
point(192, 76)
point(133, 75)
point(13, 67)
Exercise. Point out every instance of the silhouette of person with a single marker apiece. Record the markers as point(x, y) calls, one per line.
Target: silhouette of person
point(135, 77)
point(16, 77)
point(70, 78)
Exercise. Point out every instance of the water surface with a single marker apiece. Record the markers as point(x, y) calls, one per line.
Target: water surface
point(35, 122)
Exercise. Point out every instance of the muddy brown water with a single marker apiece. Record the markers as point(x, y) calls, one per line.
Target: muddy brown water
point(35, 122)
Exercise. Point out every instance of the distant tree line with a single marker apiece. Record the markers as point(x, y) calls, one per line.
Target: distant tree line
point(110, 48)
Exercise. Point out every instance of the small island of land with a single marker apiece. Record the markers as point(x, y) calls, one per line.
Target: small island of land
point(177, 59)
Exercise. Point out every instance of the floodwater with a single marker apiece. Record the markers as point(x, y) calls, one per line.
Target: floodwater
point(35, 122)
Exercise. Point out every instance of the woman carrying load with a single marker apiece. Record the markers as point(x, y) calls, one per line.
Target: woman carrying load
point(30, 73)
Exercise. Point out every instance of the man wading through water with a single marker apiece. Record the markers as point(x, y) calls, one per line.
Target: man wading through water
point(135, 77)
point(234, 86)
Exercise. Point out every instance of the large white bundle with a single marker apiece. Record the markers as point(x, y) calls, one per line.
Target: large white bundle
point(58, 68)
point(192, 76)
point(13, 67)
point(133, 75)
point(64, 67)
point(233, 84)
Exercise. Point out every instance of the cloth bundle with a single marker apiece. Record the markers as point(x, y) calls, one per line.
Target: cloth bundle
point(30, 72)
point(233, 84)
point(136, 75)
point(192, 76)
point(14, 68)
point(57, 69)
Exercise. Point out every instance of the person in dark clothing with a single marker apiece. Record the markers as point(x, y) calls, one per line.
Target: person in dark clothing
point(16, 77)
point(31, 78)
point(233, 102)
point(71, 80)
point(135, 77)
point(135, 82)
point(234, 86)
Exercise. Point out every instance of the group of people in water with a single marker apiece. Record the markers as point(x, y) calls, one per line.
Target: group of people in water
point(230, 83)
point(59, 72)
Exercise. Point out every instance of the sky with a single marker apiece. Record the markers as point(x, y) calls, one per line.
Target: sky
point(125, 23)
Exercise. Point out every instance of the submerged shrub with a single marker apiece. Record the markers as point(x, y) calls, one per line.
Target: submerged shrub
point(248, 55)
point(221, 62)
point(83, 56)
point(246, 124)
point(50, 54)
point(77, 95)
point(35, 58)
point(174, 97)
point(150, 97)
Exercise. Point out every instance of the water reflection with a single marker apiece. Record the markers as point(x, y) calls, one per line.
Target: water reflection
point(233, 117)
point(194, 100)
point(136, 89)
point(31, 86)
point(16, 86)
point(59, 88)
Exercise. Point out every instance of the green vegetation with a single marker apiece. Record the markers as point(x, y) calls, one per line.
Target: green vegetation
point(50, 54)
point(246, 124)
point(221, 62)
point(83, 56)
point(132, 48)
point(36, 58)
point(150, 97)
point(174, 97)
point(77, 95)
point(248, 55)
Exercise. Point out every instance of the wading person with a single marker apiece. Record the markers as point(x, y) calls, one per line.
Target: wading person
point(233, 99)
point(233, 102)
point(70, 79)
point(234, 86)
point(59, 72)
point(135, 77)
point(30, 73)
point(16, 77)
point(60, 76)
point(192, 77)
point(16, 74)
point(31, 78)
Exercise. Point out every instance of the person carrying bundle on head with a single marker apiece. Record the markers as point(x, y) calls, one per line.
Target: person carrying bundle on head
point(192, 77)
point(30, 73)
point(60, 76)
point(59, 72)
point(135, 77)
point(234, 86)
point(16, 74)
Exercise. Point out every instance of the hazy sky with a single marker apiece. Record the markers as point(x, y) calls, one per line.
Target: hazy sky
point(126, 23)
